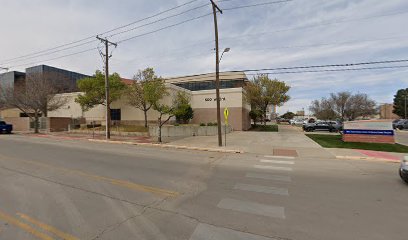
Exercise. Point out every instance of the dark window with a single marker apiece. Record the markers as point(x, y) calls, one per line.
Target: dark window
point(116, 115)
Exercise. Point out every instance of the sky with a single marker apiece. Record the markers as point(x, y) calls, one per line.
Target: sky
point(270, 35)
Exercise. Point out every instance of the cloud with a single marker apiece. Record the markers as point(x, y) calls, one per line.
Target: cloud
point(277, 35)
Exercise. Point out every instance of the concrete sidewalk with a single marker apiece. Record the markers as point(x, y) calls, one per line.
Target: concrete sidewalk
point(289, 141)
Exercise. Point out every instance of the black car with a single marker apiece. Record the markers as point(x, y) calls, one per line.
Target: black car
point(403, 171)
point(401, 124)
point(330, 126)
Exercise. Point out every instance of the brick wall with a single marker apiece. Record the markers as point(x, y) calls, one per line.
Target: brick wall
point(368, 138)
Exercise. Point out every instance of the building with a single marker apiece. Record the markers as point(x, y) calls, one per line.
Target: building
point(200, 88)
point(64, 80)
point(12, 79)
point(386, 111)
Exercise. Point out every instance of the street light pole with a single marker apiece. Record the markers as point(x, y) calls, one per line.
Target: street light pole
point(217, 71)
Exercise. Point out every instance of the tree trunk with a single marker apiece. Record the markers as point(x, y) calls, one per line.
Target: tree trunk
point(159, 134)
point(145, 118)
point(36, 122)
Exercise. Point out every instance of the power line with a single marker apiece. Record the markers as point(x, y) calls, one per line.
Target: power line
point(256, 5)
point(333, 70)
point(325, 66)
point(109, 31)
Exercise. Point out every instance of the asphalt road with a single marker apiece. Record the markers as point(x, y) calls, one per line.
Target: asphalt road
point(80, 190)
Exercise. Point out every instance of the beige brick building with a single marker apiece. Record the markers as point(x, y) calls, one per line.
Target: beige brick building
point(200, 88)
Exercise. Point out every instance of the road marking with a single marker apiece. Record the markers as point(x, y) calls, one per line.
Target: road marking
point(269, 177)
point(208, 232)
point(277, 162)
point(5, 217)
point(48, 228)
point(273, 168)
point(252, 208)
point(261, 189)
point(121, 183)
point(285, 157)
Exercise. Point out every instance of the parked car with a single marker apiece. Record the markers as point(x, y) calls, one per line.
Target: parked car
point(402, 124)
point(5, 128)
point(297, 122)
point(403, 171)
point(331, 126)
point(395, 122)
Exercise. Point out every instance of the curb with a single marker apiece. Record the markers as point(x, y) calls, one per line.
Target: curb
point(368, 159)
point(168, 146)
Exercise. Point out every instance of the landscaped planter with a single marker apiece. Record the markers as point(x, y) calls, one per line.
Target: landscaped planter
point(186, 131)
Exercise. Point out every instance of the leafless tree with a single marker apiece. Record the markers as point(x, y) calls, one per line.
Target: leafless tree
point(35, 100)
point(344, 105)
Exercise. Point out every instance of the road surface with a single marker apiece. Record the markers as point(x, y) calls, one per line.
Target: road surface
point(62, 189)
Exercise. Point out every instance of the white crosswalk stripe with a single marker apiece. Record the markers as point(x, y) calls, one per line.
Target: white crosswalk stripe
point(268, 176)
point(277, 162)
point(280, 157)
point(252, 208)
point(273, 168)
point(262, 189)
point(209, 232)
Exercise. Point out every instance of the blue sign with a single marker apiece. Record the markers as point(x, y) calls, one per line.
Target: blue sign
point(369, 132)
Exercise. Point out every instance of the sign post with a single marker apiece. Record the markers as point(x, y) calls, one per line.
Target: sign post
point(226, 114)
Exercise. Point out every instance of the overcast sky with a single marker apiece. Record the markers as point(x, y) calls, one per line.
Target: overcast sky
point(296, 33)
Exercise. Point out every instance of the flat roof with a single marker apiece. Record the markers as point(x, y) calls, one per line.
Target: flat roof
point(207, 77)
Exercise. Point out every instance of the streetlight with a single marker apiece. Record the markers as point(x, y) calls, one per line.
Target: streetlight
point(225, 51)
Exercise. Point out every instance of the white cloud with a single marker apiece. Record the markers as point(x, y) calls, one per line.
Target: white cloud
point(32, 25)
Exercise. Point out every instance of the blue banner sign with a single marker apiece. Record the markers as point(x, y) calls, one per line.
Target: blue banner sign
point(369, 132)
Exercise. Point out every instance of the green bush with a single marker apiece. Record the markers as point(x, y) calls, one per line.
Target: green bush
point(202, 124)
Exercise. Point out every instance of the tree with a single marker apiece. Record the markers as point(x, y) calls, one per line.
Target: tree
point(263, 92)
point(323, 109)
point(400, 104)
point(361, 106)
point(343, 105)
point(255, 115)
point(182, 108)
point(146, 91)
point(37, 97)
point(163, 110)
point(288, 115)
point(94, 90)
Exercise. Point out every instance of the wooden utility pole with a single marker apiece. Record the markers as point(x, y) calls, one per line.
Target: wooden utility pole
point(217, 71)
point(107, 96)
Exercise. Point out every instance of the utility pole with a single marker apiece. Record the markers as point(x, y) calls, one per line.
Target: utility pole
point(107, 99)
point(217, 72)
point(405, 106)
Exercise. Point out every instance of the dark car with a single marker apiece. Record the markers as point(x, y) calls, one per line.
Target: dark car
point(5, 128)
point(395, 123)
point(402, 124)
point(331, 126)
point(403, 171)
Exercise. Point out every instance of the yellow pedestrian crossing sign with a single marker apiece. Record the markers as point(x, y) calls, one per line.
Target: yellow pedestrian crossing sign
point(226, 114)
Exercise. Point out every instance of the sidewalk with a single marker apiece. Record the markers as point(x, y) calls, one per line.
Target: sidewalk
point(289, 141)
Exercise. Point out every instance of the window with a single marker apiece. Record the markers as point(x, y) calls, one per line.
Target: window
point(116, 115)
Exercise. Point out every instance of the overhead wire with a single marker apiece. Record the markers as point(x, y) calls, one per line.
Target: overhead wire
point(103, 33)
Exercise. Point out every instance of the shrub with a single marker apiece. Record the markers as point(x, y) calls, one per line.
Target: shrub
point(202, 124)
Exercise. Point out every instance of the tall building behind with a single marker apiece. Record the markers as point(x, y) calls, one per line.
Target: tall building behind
point(12, 79)
point(386, 111)
point(65, 81)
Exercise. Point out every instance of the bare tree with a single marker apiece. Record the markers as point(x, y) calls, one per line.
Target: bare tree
point(341, 103)
point(35, 100)
point(323, 109)
point(344, 105)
